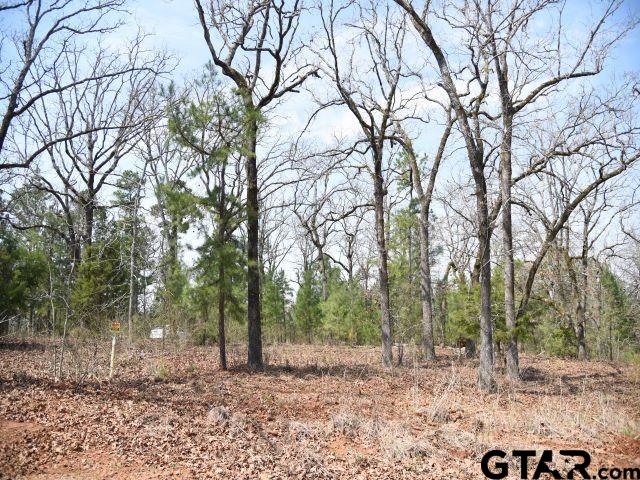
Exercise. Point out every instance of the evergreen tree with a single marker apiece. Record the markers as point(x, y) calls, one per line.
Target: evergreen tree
point(275, 290)
point(22, 272)
point(307, 313)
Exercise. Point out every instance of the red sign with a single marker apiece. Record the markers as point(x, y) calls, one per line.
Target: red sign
point(115, 326)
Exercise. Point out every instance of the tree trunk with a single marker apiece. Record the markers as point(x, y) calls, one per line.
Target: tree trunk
point(469, 348)
point(253, 261)
point(581, 310)
point(172, 240)
point(131, 283)
point(379, 194)
point(443, 313)
point(324, 274)
point(222, 340)
point(580, 331)
point(424, 197)
point(506, 104)
point(425, 285)
point(486, 369)
point(89, 209)
point(75, 251)
point(222, 284)
point(410, 237)
point(511, 352)
point(132, 251)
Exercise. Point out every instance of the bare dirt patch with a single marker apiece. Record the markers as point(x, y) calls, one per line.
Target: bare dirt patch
point(315, 412)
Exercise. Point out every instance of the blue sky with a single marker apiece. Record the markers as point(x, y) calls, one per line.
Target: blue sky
point(175, 24)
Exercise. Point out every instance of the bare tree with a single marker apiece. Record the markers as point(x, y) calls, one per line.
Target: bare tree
point(528, 68)
point(105, 119)
point(317, 227)
point(33, 52)
point(370, 93)
point(587, 149)
point(425, 195)
point(254, 42)
point(322, 213)
point(468, 122)
point(351, 226)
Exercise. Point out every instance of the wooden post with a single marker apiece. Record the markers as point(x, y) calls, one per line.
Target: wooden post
point(113, 355)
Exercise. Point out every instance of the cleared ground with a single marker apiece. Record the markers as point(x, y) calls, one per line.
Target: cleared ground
point(315, 412)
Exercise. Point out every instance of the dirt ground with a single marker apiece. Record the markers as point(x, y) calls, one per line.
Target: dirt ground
point(315, 412)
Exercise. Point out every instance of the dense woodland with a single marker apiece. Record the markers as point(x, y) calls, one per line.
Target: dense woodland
point(456, 173)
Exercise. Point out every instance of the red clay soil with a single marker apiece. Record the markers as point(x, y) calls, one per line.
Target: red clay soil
point(315, 412)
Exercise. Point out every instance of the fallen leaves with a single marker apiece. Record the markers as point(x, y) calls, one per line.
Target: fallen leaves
point(316, 412)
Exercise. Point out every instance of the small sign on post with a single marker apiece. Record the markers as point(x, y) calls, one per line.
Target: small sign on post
point(115, 329)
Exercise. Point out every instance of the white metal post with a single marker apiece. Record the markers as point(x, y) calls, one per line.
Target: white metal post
point(113, 355)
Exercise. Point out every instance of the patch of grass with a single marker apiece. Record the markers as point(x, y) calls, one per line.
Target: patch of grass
point(161, 372)
point(346, 424)
point(631, 430)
